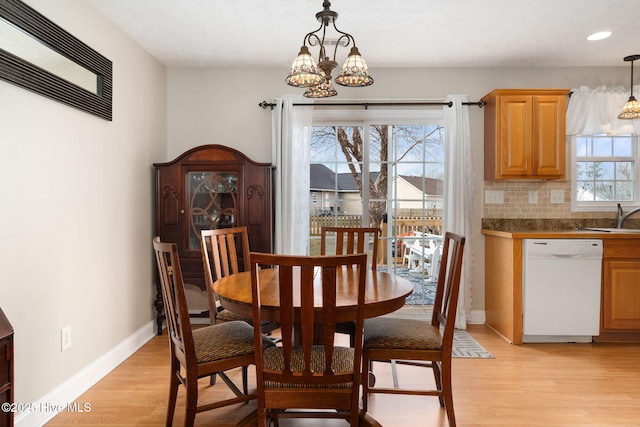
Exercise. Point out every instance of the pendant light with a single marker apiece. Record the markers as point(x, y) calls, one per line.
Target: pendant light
point(305, 72)
point(631, 109)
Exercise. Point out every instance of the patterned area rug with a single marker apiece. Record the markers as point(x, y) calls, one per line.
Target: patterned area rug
point(465, 346)
point(424, 287)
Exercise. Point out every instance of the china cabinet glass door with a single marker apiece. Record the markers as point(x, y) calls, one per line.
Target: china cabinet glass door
point(211, 202)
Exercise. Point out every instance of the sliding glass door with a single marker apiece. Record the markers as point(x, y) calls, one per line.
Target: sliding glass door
point(382, 173)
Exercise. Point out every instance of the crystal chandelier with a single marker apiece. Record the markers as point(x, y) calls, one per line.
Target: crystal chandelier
point(631, 109)
point(316, 77)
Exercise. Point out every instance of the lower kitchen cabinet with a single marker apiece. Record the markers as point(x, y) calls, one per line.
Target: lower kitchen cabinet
point(620, 316)
point(620, 298)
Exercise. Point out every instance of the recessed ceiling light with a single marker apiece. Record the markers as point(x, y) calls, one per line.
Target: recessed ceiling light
point(599, 35)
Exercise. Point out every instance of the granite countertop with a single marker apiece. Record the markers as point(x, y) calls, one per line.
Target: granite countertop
point(556, 228)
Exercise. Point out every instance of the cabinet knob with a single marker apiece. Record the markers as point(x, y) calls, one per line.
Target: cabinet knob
point(182, 211)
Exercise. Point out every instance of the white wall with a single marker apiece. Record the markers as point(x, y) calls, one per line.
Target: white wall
point(77, 210)
point(221, 106)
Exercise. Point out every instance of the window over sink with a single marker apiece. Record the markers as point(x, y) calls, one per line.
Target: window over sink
point(604, 172)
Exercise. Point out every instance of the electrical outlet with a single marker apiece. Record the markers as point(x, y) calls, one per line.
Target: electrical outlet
point(557, 196)
point(65, 338)
point(494, 197)
point(533, 197)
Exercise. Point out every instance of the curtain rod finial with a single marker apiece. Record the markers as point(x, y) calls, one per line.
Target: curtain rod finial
point(265, 104)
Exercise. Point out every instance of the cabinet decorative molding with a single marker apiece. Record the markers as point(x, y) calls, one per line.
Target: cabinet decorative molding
point(171, 207)
point(524, 134)
point(6, 369)
point(211, 186)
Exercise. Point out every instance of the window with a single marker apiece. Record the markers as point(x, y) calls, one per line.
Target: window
point(605, 171)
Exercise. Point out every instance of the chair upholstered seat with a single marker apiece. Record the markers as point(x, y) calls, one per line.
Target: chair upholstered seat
point(405, 334)
point(342, 362)
point(226, 340)
point(225, 315)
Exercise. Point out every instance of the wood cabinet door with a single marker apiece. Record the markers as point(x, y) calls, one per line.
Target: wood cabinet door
point(514, 144)
point(620, 295)
point(549, 140)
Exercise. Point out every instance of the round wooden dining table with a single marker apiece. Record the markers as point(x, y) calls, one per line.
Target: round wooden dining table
point(384, 293)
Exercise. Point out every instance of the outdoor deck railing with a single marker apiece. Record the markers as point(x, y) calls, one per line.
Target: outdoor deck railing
point(401, 226)
point(317, 222)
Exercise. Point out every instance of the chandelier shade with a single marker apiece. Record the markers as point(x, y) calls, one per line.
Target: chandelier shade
point(355, 72)
point(316, 76)
point(324, 89)
point(304, 70)
point(631, 109)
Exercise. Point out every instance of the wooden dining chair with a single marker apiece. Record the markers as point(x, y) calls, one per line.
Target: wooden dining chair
point(349, 240)
point(420, 343)
point(201, 352)
point(308, 378)
point(225, 251)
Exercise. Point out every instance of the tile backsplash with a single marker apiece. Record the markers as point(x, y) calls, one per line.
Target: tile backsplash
point(518, 199)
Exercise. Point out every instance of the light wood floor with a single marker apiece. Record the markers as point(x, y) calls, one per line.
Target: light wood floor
point(530, 385)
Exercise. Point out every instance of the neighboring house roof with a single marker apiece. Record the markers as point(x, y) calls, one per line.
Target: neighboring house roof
point(323, 178)
point(432, 186)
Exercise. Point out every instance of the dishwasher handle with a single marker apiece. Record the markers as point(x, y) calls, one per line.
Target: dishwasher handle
point(567, 256)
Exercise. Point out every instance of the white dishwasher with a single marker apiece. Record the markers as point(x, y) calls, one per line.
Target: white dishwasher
point(561, 290)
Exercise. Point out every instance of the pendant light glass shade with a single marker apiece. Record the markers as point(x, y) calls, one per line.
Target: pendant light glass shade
point(631, 109)
point(355, 72)
point(304, 71)
point(323, 90)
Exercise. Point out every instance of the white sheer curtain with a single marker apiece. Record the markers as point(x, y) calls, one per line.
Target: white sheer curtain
point(458, 193)
point(595, 111)
point(291, 133)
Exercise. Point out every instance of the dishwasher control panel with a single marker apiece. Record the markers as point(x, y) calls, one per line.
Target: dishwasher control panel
point(563, 247)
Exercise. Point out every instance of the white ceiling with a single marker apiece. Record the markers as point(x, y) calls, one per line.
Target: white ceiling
point(407, 33)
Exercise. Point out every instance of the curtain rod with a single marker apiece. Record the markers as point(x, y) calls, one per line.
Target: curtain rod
point(366, 105)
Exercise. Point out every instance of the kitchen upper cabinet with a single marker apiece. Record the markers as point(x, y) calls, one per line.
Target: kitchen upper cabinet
point(620, 315)
point(524, 134)
point(211, 186)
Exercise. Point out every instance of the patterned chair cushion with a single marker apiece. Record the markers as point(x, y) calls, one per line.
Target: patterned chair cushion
point(342, 362)
point(225, 315)
point(224, 340)
point(381, 332)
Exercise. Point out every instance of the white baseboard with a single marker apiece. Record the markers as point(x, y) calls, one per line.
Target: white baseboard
point(64, 396)
point(477, 317)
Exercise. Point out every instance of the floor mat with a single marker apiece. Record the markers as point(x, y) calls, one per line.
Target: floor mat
point(465, 346)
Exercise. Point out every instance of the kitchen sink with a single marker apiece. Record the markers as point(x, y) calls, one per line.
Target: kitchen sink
point(611, 229)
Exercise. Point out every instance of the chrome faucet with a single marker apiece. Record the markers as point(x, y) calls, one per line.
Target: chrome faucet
point(621, 218)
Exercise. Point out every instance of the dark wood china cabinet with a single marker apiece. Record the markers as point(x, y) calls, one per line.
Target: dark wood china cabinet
point(211, 186)
point(6, 370)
